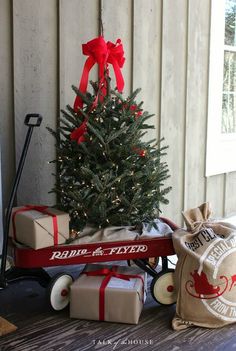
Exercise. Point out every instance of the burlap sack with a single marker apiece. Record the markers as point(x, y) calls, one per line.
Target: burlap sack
point(206, 271)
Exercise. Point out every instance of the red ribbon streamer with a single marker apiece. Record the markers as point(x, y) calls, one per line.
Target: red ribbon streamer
point(78, 133)
point(102, 53)
point(42, 209)
point(109, 273)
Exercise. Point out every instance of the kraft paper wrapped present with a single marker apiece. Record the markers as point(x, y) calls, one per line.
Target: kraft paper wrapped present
point(39, 226)
point(109, 293)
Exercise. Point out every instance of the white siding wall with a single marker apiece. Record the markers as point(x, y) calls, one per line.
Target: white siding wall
point(1, 218)
point(167, 50)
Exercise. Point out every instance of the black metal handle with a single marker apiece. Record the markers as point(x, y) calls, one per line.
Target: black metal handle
point(33, 120)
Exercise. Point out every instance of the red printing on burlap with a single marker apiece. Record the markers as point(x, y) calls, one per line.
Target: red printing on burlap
point(42, 209)
point(109, 273)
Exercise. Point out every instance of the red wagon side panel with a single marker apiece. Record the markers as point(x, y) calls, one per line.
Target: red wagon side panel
point(90, 253)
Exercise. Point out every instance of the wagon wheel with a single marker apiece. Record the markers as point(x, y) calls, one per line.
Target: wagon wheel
point(163, 289)
point(59, 291)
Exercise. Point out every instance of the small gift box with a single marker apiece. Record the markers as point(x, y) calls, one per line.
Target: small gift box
point(39, 226)
point(108, 293)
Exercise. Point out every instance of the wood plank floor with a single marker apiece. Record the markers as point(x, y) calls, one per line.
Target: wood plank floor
point(41, 329)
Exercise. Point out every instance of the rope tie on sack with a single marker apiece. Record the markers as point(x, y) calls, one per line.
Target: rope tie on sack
point(199, 225)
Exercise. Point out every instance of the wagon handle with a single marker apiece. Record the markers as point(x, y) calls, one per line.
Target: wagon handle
point(31, 120)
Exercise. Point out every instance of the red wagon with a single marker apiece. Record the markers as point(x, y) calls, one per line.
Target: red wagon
point(29, 263)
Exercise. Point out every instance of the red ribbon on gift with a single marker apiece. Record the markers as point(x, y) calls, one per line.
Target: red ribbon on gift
point(42, 209)
point(102, 53)
point(109, 273)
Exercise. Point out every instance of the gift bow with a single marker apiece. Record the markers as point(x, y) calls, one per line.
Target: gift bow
point(102, 53)
point(41, 209)
point(109, 273)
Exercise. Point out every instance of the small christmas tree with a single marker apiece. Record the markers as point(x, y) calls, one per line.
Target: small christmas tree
point(107, 174)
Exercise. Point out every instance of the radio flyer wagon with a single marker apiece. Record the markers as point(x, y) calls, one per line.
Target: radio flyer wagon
point(28, 263)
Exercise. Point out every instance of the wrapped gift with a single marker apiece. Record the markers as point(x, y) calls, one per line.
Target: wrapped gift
point(108, 293)
point(39, 226)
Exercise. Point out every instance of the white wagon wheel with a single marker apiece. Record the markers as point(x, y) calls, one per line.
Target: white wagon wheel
point(163, 289)
point(59, 291)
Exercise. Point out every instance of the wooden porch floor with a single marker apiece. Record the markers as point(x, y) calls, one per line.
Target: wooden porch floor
point(41, 329)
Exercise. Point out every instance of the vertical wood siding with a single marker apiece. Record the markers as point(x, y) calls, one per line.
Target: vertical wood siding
point(167, 53)
point(7, 139)
point(173, 97)
point(146, 60)
point(35, 90)
point(196, 102)
point(78, 23)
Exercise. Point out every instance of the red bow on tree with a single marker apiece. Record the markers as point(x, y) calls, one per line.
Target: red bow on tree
point(102, 53)
point(78, 133)
point(137, 113)
point(140, 152)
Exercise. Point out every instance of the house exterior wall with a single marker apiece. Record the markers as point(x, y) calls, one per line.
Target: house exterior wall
point(166, 46)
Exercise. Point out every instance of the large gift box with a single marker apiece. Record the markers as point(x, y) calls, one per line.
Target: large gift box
point(39, 226)
point(109, 293)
